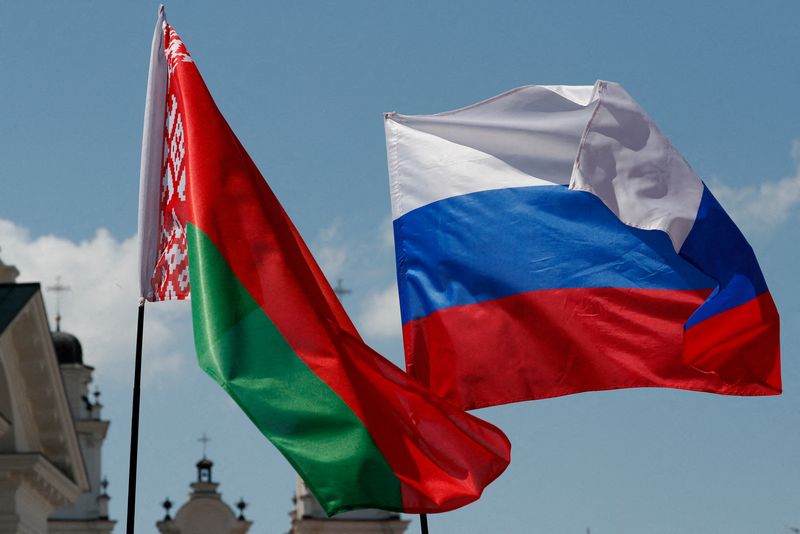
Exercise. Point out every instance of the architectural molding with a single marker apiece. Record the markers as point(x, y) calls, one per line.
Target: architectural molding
point(353, 526)
point(77, 526)
point(39, 473)
point(98, 428)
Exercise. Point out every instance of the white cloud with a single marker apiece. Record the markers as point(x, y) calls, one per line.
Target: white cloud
point(100, 307)
point(380, 317)
point(769, 204)
point(159, 370)
point(332, 258)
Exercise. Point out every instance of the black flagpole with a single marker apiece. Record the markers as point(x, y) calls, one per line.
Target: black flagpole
point(423, 523)
point(137, 382)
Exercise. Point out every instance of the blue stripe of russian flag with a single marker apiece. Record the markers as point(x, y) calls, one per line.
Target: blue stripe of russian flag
point(492, 244)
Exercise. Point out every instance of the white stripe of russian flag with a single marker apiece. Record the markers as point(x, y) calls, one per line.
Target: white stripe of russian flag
point(592, 138)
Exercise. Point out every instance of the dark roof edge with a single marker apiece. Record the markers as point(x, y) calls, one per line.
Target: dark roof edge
point(13, 298)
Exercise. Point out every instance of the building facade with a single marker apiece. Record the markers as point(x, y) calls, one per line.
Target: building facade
point(308, 517)
point(205, 512)
point(50, 432)
point(90, 512)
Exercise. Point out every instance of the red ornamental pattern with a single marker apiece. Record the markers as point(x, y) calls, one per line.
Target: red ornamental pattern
point(171, 276)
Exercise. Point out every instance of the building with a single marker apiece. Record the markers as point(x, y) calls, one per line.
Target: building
point(51, 433)
point(205, 512)
point(90, 512)
point(308, 517)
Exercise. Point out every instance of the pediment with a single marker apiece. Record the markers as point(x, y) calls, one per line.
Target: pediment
point(40, 420)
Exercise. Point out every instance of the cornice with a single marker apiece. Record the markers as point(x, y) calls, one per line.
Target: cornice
point(95, 427)
point(38, 472)
point(80, 526)
point(346, 526)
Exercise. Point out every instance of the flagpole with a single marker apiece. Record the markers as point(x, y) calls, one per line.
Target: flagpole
point(423, 523)
point(137, 382)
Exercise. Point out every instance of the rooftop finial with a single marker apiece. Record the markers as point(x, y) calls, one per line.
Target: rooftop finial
point(204, 440)
point(167, 504)
point(58, 288)
point(241, 505)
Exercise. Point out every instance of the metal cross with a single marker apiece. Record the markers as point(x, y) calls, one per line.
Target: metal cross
point(340, 290)
point(58, 288)
point(204, 440)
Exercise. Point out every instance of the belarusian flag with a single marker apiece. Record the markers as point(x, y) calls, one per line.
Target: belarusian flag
point(270, 330)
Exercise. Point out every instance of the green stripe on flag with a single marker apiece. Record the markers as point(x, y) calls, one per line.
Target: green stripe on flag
point(240, 347)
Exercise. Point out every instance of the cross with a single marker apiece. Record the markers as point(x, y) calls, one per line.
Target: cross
point(340, 290)
point(58, 288)
point(204, 440)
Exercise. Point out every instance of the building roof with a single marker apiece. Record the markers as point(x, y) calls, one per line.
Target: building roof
point(14, 297)
point(68, 348)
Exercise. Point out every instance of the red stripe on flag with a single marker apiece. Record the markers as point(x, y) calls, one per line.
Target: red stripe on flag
point(741, 344)
point(557, 342)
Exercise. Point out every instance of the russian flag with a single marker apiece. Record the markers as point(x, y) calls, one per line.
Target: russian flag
point(551, 240)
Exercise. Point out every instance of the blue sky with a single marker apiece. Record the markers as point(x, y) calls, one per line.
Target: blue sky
point(304, 85)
